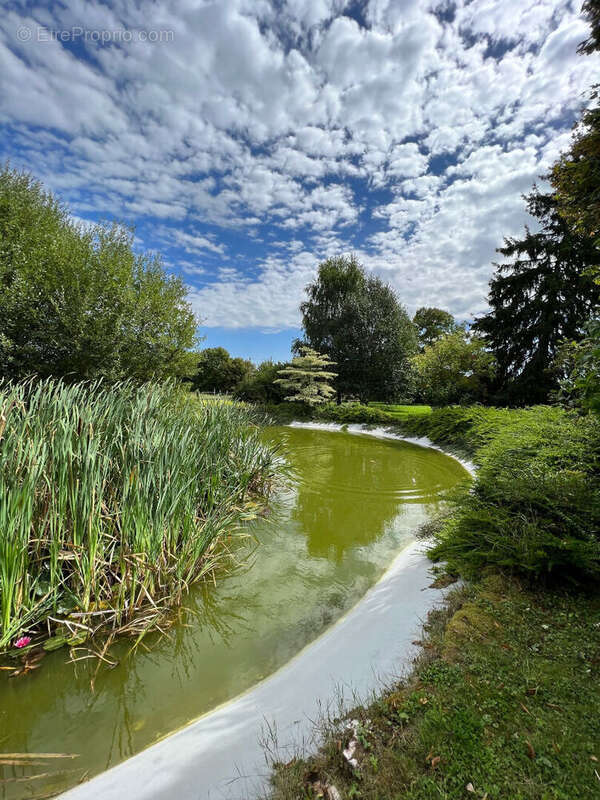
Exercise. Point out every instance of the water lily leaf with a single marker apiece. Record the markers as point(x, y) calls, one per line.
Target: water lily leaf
point(54, 643)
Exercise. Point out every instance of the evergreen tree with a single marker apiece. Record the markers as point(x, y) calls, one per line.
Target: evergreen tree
point(358, 322)
point(307, 379)
point(543, 295)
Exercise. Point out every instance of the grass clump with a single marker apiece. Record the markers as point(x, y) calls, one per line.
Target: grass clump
point(114, 501)
point(504, 702)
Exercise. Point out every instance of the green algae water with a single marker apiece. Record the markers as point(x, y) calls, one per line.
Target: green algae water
point(353, 503)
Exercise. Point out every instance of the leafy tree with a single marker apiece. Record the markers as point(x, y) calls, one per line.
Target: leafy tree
point(540, 297)
point(578, 367)
point(431, 324)
point(358, 322)
point(591, 11)
point(587, 368)
point(456, 368)
point(217, 371)
point(77, 301)
point(260, 386)
point(307, 379)
point(576, 175)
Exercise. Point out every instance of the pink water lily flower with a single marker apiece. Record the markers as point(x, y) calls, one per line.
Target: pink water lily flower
point(23, 641)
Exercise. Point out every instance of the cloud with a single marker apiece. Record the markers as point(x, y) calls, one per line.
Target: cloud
point(255, 138)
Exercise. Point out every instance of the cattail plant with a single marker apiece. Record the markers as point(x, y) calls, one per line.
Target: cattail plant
point(114, 500)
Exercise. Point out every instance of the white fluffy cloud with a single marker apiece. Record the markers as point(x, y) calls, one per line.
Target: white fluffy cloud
point(405, 136)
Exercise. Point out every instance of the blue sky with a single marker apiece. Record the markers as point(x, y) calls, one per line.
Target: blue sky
point(247, 140)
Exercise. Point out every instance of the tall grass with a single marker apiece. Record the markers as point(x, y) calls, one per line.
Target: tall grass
point(113, 500)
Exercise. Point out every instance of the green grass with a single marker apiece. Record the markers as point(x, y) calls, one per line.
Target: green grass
point(402, 412)
point(115, 500)
point(503, 703)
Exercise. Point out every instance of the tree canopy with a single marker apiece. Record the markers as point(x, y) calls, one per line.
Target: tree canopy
point(259, 386)
point(217, 371)
point(456, 368)
point(591, 11)
point(541, 295)
point(359, 323)
point(576, 175)
point(431, 324)
point(77, 301)
point(307, 379)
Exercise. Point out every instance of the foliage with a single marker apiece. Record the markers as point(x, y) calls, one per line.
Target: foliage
point(77, 301)
point(456, 368)
point(358, 322)
point(579, 363)
point(307, 379)
point(534, 507)
point(373, 414)
point(217, 371)
point(353, 413)
point(114, 499)
point(591, 11)
point(467, 428)
point(545, 294)
point(259, 386)
point(503, 702)
point(576, 177)
point(432, 323)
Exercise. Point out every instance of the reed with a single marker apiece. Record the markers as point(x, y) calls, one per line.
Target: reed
point(113, 500)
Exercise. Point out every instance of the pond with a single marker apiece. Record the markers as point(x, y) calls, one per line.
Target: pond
point(354, 502)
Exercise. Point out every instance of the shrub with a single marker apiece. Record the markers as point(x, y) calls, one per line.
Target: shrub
point(353, 413)
point(534, 507)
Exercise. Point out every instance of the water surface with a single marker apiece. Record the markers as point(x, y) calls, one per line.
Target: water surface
point(353, 503)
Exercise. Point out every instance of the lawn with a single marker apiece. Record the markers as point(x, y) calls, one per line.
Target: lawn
point(402, 412)
point(504, 702)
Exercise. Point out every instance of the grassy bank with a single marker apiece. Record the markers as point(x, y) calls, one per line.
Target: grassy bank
point(504, 701)
point(114, 501)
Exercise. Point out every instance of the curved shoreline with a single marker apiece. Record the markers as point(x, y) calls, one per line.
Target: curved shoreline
point(381, 432)
point(221, 754)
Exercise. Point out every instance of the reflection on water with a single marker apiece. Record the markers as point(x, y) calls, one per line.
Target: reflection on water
point(354, 502)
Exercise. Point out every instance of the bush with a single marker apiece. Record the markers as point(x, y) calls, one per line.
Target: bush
point(353, 413)
point(465, 427)
point(534, 507)
point(260, 386)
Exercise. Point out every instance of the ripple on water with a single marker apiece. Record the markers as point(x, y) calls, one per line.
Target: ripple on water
point(354, 503)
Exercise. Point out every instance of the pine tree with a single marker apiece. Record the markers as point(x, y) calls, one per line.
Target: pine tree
point(307, 378)
point(544, 295)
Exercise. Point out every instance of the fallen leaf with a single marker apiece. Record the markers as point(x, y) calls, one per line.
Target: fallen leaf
point(435, 761)
point(530, 750)
point(470, 788)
